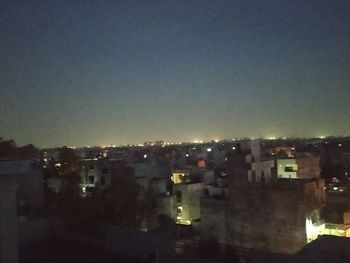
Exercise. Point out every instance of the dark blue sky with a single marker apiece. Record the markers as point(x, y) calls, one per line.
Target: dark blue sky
point(116, 72)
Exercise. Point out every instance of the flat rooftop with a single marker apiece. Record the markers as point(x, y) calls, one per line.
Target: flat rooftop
point(15, 167)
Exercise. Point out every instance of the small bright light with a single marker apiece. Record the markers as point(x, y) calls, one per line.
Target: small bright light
point(84, 189)
point(45, 160)
point(216, 140)
point(339, 144)
point(187, 154)
point(335, 188)
point(321, 137)
point(145, 156)
point(209, 150)
point(293, 148)
point(234, 148)
point(180, 208)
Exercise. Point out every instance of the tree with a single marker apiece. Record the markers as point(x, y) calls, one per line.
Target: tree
point(8, 150)
point(125, 202)
point(69, 160)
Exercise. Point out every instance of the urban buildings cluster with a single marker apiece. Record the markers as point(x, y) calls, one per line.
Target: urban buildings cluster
point(273, 196)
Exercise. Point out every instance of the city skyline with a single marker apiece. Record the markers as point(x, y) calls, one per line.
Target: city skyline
point(108, 72)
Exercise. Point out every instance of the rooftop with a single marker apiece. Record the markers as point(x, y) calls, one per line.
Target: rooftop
point(15, 167)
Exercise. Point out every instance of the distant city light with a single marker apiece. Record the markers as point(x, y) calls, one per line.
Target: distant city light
point(234, 148)
point(187, 154)
point(322, 137)
point(339, 144)
point(145, 156)
point(209, 150)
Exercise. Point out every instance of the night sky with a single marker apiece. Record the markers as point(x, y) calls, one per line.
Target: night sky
point(116, 72)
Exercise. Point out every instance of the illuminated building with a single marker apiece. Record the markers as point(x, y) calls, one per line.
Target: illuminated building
point(180, 176)
point(188, 202)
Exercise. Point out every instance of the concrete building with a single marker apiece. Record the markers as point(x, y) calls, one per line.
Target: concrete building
point(188, 197)
point(94, 172)
point(266, 168)
point(180, 176)
point(99, 172)
point(10, 171)
point(262, 211)
point(278, 217)
point(303, 166)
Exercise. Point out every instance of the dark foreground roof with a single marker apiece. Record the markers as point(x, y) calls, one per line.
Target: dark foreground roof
point(58, 251)
point(325, 249)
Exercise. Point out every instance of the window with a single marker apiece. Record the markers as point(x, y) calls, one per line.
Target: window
point(178, 196)
point(289, 169)
point(91, 179)
point(103, 180)
point(91, 167)
point(263, 177)
point(253, 177)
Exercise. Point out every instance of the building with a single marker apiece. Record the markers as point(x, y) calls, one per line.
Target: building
point(188, 197)
point(278, 217)
point(99, 172)
point(303, 166)
point(262, 211)
point(10, 171)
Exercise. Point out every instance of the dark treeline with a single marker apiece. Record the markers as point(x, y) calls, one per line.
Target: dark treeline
point(10, 151)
